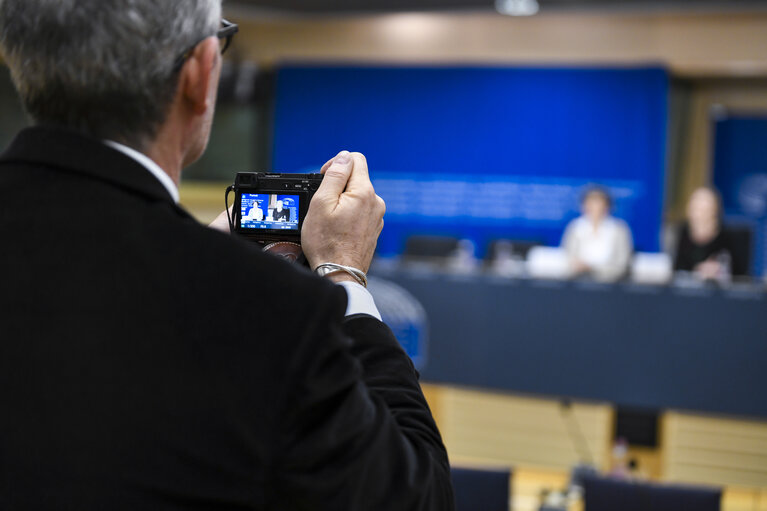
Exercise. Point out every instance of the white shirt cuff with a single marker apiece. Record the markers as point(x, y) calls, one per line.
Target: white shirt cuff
point(360, 300)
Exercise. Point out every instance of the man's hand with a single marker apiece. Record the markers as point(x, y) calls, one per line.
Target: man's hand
point(221, 222)
point(579, 267)
point(345, 216)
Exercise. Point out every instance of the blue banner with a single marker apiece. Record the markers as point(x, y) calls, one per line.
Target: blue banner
point(740, 175)
point(484, 153)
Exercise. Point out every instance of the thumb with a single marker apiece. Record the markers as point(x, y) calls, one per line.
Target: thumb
point(337, 173)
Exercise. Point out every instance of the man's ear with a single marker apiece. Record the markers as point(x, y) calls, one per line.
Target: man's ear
point(197, 77)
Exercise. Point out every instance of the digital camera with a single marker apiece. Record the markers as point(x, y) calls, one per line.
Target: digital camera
point(270, 208)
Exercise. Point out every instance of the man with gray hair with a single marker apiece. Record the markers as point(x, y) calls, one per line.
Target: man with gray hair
point(142, 363)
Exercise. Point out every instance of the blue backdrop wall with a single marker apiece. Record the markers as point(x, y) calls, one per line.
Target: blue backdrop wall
point(483, 153)
point(740, 174)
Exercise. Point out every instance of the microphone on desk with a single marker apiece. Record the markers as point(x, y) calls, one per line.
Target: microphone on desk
point(585, 467)
point(575, 433)
point(559, 500)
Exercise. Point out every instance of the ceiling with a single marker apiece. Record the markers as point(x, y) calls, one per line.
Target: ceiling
point(360, 6)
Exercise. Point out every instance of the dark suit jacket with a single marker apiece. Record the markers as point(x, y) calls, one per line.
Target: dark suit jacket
point(143, 365)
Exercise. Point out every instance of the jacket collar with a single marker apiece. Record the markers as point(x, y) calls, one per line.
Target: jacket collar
point(71, 151)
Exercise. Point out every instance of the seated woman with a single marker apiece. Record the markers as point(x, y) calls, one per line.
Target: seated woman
point(255, 214)
point(280, 214)
point(596, 243)
point(704, 247)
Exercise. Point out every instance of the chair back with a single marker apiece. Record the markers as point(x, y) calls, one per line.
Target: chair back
point(481, 490)
point(602, 494)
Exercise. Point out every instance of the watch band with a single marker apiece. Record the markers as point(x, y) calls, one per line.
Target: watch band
point(328, 268)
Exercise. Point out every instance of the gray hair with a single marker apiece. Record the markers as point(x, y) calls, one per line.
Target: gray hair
point(103, 67)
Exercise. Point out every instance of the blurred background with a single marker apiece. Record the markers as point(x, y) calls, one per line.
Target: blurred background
point(575, 246)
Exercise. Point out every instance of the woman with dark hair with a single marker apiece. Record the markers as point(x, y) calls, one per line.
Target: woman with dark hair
point(598, 244)
point(704, 247)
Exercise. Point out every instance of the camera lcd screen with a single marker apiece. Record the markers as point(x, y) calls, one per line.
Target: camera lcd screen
point(269, 211)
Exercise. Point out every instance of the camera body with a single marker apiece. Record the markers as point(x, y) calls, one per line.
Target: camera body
point(271, 207)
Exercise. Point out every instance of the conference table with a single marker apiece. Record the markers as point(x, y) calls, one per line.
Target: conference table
point(683, 347)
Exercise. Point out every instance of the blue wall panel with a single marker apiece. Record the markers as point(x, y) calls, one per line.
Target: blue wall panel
point(740, 174)
point(483, 153)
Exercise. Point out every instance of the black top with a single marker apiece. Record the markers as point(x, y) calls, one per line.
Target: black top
point(143, 364)
point(277, 215)
point(689, 254)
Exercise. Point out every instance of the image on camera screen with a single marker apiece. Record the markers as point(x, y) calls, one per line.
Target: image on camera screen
point(269, 211)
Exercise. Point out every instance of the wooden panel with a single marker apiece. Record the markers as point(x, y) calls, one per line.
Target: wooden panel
point(690, 44)
point(528, 434)
point(518, 431)
point(715, 451)
point(649, 461)
point(204, 201)
point(736, 499)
